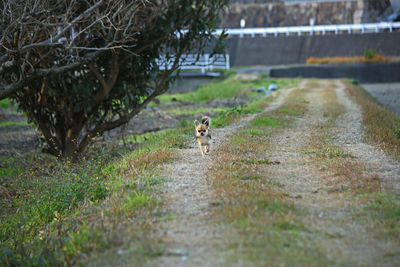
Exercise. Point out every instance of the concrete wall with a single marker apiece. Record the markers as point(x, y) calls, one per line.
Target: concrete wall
point(188, 83)
point(297, 49)
point(364, 73)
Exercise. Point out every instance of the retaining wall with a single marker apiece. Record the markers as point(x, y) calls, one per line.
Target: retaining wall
point(364, 73)
point(282, 50)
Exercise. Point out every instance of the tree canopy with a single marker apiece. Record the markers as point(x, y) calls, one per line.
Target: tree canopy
point(79, 68)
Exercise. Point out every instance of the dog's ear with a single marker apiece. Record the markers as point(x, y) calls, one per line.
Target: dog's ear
point(196, 123)
point(206, 121)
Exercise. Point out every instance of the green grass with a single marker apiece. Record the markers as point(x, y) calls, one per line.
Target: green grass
point(5, 103)
point(383, 210)
point(291, 112)
point(51, 213)
point(264, 121)
point(195, 111)
point(227, 116)
point(13, 123)
point(136, 200)
point(228, 88)
point(223, 89)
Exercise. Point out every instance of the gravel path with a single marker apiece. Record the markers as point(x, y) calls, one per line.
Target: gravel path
point(189, 237)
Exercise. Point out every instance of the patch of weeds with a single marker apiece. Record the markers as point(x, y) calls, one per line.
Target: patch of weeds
point(332, 107)
point(345, 173)
point(354, 81)
point(254, 131)
point(382, 125)
point(195, 111)
point(228, 88)
point(84, 240)
point(171, 217)
point(135, 200)
point(277, 184)
point(260, 161)
point(288, 226)
point(246, 176)
point(170, 138)
point(264, 121)
point(151, 250)
point(384, 210)
point(13, 123)
point(227, 116)
point(291, 112)
point(258, 105)
point(332, 151)
point(184, 123)
point(238, 140)
point(57, 211)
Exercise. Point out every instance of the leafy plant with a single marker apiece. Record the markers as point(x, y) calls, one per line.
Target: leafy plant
point(369, 53)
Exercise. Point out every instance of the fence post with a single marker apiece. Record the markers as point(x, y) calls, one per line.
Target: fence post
point(227, 61)
point(206, 62)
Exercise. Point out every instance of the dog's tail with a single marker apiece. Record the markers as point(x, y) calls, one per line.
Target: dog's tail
point(206, 121)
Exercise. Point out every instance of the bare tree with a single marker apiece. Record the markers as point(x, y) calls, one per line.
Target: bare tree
point(79, 68)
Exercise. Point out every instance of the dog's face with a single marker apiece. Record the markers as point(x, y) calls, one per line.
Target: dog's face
point(201, 129)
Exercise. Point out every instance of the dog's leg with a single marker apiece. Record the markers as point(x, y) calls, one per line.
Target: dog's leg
point(201, 148)
point(207, 148)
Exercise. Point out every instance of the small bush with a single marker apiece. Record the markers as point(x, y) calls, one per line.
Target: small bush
point(369, 58)
point(369, 53)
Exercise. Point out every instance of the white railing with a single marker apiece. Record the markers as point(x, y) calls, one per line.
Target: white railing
point(311, 30)
point(290, 2)
point(191, 62)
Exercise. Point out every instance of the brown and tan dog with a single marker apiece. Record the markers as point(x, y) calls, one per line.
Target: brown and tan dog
point(202, 135)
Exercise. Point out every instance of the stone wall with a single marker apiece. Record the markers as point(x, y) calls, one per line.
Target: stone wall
point(277, 13)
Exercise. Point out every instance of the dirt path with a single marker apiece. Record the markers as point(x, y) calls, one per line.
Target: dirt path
point(343, 238)
point(351, 138)
point(189, 237)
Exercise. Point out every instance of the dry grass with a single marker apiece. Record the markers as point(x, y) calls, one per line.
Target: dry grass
point(346, 60)
point(382, 125)
point(352, 175)
point(332, 107)
point(342, 172)
point(269, 227)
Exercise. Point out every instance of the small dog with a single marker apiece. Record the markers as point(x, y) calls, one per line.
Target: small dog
point(202, 136)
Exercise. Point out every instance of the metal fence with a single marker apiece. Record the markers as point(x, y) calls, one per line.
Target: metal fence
point(314, 30)
point(192, 62)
